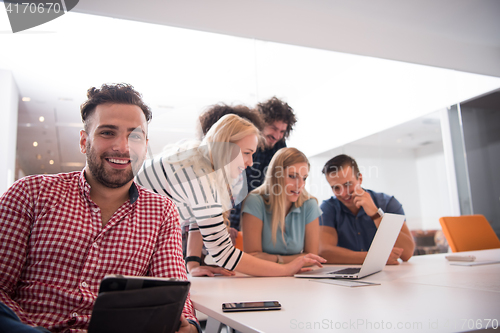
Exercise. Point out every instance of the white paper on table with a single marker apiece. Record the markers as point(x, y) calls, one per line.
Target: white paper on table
point(474, 263)
point(346, 283)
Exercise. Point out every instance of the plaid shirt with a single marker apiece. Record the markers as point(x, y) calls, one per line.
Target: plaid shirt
point(255, 176)
point(54, 250)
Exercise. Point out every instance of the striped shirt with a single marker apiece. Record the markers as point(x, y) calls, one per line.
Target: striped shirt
point(54, 250)
point(197, 200)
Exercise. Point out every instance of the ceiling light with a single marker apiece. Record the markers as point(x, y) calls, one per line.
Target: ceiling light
point(38, 157)
point(41, 119)
point(51, 162)
point(35, 144)
point(26, 99)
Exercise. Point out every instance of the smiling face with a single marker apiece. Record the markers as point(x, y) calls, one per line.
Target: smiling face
point(344, 184)
point(247, 146)
point(295, 180)
point(115, 144)
point(274, 132)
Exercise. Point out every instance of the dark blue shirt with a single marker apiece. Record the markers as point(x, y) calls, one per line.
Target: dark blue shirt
point(255, 176)
point(356, 232)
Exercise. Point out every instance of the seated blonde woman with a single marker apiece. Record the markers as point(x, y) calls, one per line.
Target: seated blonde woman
point(280, 218)
point(204, 180)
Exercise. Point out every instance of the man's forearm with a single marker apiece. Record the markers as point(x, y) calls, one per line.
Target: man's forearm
point(341, 255)
point(405, 242)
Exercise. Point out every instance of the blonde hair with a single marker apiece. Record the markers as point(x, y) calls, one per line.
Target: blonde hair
point(275, 177)
point(213, 153)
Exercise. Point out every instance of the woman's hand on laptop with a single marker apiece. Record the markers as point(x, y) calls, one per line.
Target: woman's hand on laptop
point(394, 256)
point(298, 264)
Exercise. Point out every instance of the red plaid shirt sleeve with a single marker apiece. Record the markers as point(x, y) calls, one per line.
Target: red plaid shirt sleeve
point(14, 206)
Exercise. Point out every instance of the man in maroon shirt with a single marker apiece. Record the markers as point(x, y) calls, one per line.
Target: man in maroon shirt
point(61, 234)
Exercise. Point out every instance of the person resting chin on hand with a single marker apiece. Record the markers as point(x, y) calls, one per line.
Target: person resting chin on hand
point(352, 216)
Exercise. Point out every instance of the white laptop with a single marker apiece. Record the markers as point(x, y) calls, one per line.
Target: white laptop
point(376, 258)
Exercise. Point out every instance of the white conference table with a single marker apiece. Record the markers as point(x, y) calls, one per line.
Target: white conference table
point(425, 294)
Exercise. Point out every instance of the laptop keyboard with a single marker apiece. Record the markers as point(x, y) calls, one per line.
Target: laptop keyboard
point(352, 270)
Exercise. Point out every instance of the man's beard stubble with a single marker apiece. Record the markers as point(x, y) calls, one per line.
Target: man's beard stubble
point(115, 179)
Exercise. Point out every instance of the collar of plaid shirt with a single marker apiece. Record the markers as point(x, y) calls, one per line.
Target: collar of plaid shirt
point(133, 192)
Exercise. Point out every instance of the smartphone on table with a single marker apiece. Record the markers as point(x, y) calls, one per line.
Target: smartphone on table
point(251, 306)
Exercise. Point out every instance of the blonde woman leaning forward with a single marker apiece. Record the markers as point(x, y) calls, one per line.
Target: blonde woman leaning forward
point(280, 219)
point(205, 180)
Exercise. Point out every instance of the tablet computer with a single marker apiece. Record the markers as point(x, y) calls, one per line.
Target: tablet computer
point(138, 304)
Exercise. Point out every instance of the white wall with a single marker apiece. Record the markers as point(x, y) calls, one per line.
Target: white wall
point(432, 185)
point(9, 98)
point(369, 95)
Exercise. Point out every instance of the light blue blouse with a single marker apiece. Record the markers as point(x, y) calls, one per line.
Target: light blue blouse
point(295, 224)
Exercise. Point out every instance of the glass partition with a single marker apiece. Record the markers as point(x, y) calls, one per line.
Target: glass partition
point(406, 161)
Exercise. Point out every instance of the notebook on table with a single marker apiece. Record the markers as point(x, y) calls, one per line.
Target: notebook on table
point(376, 258)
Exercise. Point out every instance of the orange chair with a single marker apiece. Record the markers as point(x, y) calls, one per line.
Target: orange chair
point(239, 241)
point(469, 233)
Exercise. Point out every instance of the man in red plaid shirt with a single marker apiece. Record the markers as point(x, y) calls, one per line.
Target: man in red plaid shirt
point(61, 234)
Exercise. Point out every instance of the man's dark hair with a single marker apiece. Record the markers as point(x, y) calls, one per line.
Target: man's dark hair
point(341, 161)
point(215, 112)
point(120, 93)
point(276, 110)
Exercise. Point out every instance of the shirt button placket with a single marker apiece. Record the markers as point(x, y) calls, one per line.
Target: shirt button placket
point(95, 219)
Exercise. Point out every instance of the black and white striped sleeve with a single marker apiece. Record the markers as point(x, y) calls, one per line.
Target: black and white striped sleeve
point(207, 210)
point(195, 198)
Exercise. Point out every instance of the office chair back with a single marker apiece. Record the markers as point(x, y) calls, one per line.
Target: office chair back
point(469, 233)
point(239, 241)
